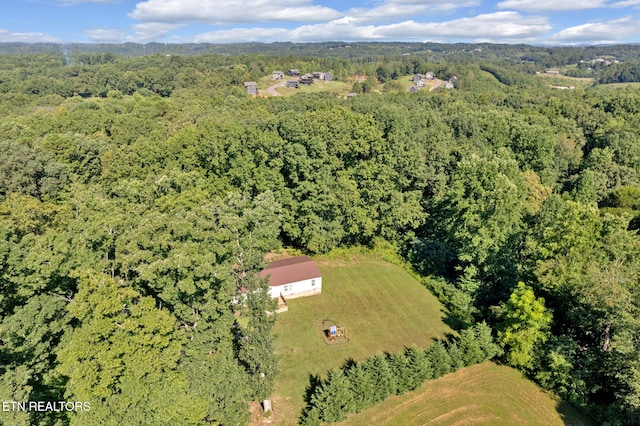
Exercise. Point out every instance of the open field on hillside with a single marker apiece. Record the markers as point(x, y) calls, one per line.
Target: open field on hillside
point(337, 87)
point(485, 394)
point(565, 81)
point(383, 307)
point(618, 86)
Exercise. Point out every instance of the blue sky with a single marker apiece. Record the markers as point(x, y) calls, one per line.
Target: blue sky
point(545, 22)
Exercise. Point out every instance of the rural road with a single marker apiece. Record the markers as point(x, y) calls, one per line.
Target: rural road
point(272, 89)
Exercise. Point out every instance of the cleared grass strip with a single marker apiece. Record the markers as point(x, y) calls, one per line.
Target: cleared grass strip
point(485, 394)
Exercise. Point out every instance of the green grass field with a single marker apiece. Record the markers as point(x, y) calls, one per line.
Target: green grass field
point(485, 394)
point(340, 88)
point(563, 80)
point(383, 307)
point(617, 86)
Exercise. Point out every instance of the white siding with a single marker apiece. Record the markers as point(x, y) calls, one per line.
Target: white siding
point(297, 289)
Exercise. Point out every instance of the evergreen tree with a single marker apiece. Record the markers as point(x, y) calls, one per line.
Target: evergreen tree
point(362, 385)
point(440, 359)
point(382, 376)
point(333, 399)
point(419, 366)
point(456, 356)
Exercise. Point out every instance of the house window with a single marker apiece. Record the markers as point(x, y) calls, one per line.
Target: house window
point(288, 288)
point(313, 282)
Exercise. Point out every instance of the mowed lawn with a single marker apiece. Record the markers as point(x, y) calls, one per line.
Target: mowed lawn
point(484, 394)
point(381, 305)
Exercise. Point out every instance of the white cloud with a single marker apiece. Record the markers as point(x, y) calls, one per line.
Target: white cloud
point(13, 37)
point(70, 2)
point(597, 32)
point(627, 3)
point(551, 5)
point(149, 31)
point(339, 29)
point(502, 26)
point(498, 25)
point(104, 35)
point(264, 35)
point(143, 33)
point(231, 12)
point(392, 9)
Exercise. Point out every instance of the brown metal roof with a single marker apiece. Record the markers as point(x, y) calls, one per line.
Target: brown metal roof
point(290, 270)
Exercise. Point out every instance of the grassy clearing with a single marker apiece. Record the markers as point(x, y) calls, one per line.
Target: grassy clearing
point(485, 394)
point(383, 307)
point(617, 86)
point(340, 88)
point(563, 80)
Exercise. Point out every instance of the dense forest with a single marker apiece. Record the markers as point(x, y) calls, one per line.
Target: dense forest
point(139, 194)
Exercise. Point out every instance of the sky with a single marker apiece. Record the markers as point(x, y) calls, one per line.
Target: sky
point(538, 22)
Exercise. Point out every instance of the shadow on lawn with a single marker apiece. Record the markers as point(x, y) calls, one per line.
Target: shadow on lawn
point(572, 416)
point(314, 382)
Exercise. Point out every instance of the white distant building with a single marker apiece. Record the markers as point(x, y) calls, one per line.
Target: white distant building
point(293, 277)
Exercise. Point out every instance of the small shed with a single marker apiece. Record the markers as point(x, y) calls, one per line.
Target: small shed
point(294, 84)
point(293, 277)
point(413, 89)
point(252, 87)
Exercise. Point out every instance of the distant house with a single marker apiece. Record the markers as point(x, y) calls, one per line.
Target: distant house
point(277, 75)
point(293, 277)
point(416, 78)
point(552, 72)
point(429, 76)
point(419, 83)
point(294, 84)
point(448, 85)
point(306, 79)
point(328, 76)
point(293, 72)
point(252, 87)
point(318, 75)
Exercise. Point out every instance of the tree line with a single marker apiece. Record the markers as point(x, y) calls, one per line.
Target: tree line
point(359, 385)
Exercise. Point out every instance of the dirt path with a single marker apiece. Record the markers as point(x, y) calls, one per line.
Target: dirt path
point(272, 89)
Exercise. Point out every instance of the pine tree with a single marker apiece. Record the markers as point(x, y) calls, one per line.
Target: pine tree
point(419, 366)
point(383, 376)
point(362, 384)
point(440, 359)
point(456, 356)
point(333, 399)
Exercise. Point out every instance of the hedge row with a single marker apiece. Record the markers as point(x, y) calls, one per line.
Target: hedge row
point(359, 385)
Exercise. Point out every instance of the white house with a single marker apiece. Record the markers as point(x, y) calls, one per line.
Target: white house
point(293, 277)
